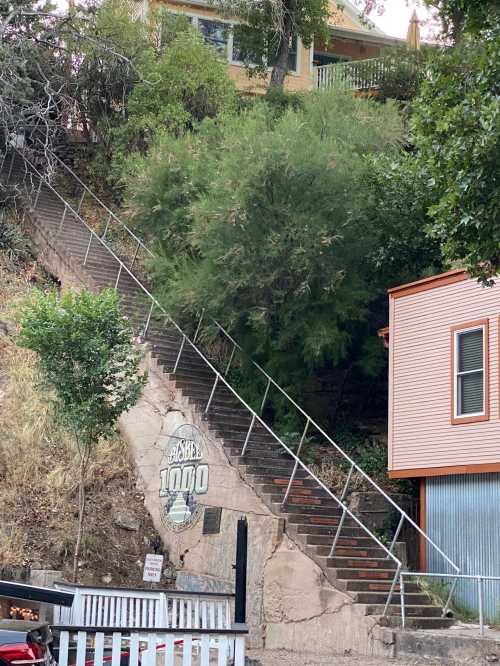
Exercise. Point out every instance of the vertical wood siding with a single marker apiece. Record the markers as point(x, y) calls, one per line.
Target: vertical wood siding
point(420, 432)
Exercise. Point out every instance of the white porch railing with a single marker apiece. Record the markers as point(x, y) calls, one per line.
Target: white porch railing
point(144, 646)
point(352, 75)
point(114, 607)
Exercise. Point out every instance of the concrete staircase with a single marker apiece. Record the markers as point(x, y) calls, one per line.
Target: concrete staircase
point(311, 517)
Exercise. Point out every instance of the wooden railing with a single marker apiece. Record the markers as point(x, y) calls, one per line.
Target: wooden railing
point(359, 74)
point(146, 646)
point(114, 607)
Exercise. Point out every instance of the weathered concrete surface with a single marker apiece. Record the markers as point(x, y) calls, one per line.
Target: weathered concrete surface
point(290, 602)
point(461, 644)
point(303, 658)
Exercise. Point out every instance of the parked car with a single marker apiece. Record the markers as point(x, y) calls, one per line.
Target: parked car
point(24, 643)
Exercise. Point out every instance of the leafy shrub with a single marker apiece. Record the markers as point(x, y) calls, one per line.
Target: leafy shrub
point(180, 88)
point(455, 125)
point(402, 75)
point(12, 242)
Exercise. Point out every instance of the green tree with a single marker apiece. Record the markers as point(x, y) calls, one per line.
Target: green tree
point(180, 88)
point(89, 362)
point(455, 128)
point(266, 221)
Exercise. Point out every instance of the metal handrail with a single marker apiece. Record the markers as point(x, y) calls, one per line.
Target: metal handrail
point(113, 215)
point(418, 574)
point(270, 381)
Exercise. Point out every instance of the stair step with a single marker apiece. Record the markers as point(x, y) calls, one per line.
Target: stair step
point(295, 491)
point(371, 598)
point(379, 586)
point(359, 564)
point(420, 611)
point(419, 622)
point(327, 509)
point(359, 573)
point(301, 500)
point(265, 454)
point(354, 553)
point(314, 520)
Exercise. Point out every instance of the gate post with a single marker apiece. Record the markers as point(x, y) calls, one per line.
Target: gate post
point(240, 602)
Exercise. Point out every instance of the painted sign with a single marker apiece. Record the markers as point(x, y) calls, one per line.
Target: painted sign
point(183, 478)
point(153, 565)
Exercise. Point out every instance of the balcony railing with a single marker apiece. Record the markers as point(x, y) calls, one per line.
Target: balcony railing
point(359, 74)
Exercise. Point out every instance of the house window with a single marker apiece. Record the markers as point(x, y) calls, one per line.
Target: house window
point(326, 58)
point(470, 372)
point(215, 33)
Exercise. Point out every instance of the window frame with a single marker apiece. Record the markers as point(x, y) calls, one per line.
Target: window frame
point(228, 56)
point(467, 327)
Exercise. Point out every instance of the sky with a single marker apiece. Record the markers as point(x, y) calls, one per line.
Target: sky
point(396, 17)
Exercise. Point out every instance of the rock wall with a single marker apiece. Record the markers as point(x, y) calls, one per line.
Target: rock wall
point(290, 603)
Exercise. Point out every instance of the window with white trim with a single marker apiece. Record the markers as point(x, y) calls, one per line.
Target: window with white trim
point(469, 371)
point(224, 36)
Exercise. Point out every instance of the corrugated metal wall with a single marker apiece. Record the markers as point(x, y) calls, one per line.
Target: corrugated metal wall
point(463, 518)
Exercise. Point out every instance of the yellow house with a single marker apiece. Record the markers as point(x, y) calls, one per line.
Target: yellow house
point(350, 39)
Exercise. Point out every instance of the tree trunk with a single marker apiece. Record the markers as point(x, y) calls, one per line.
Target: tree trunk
point(81, 515)
point(280, 67)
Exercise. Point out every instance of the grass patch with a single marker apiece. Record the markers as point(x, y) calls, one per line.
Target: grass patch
point(439, 591)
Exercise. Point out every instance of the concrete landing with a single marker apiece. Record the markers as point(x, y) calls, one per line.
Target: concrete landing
point(284, 658)
point(460, 644)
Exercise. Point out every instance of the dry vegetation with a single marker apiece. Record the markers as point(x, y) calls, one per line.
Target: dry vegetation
point(38, 472)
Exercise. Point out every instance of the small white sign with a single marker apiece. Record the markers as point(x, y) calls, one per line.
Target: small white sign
point(153, 565)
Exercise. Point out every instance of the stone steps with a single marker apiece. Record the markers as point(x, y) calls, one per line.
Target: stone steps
point(311, 515)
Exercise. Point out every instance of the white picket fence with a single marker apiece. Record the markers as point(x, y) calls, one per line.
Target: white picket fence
point(122, 608)
point(86, 646)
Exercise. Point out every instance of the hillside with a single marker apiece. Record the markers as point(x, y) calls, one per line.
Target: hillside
point(38, 491)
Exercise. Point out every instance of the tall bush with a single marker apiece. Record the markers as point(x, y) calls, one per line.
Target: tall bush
point(267, 221)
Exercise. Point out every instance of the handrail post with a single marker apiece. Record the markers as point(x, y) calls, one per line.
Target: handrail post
point(265, 395)
point(289, 487)
point(38, 193)
point(81, 201)
point(347, 481)
point(195, 336)
point(179, 354)
point(118, 276)
point(391, 591)
point(448, 601)
point(135, 254)
point(337, 534)
point(480, 599)
point(230, 360)
point(106, 227)
point(212, 393)
point(243, 450)
point(396, 534)
point(148, 321)
point(87, 255)
point(63, 217)
point(402, 593)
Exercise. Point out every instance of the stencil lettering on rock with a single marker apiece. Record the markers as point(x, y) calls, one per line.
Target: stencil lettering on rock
point(183, 478)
